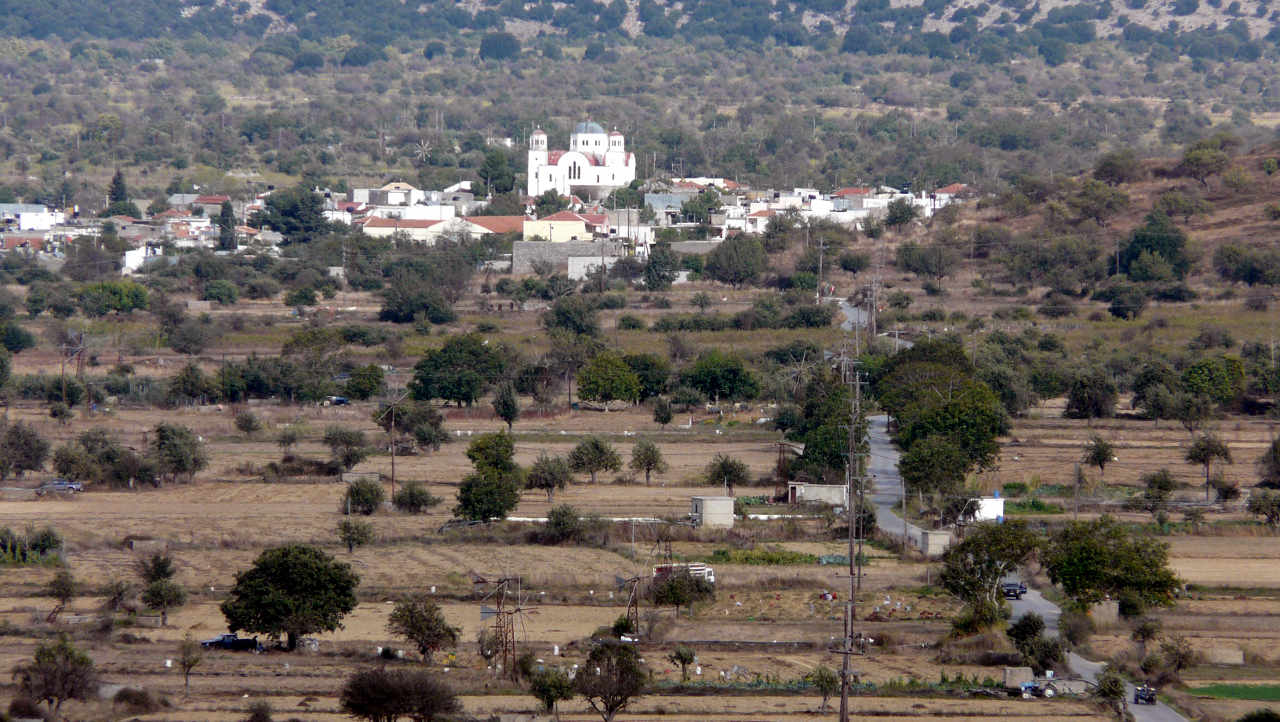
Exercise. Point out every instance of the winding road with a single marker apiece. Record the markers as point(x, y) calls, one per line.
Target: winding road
point(886, 491)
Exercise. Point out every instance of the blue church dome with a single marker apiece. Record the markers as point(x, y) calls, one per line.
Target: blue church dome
point(588, 127)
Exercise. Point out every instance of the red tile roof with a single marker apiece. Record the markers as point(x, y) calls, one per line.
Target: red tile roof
point(564, 216)
point(953, 189)
point(852, 191)
point(12, 242)
point(763, 214)
point(498, 224)
point(210, 200)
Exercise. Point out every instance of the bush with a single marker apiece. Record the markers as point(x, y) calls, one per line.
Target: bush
point(1075, 627)
point(136, 701)
point(630, 323)
point(854, 262)
point(363, 497)
point(413, 498)
point(247, 423)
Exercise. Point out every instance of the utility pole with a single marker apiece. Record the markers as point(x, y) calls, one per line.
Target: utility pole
point(855, 458)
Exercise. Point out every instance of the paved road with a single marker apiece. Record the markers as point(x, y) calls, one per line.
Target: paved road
point(886, 491)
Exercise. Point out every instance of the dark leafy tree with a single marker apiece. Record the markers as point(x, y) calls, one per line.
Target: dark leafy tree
point(506, 405)
point(1092, 395)
point(737, 260)
point(413, 498)
point(1206, 449)
point(420, 620)
point(292, 591)
point(721, 376)
point(973, 569)
point(1098, 452)
point(724, 470)
point(662, 412)
point(551, 686)
point(163, 595)
point(385, 695)
point(177, 451)
point(593, 455)
point(608, 377)
point(548, 474)
point(348, 447)
point(499, 46)
point(354, 533)
point(647, 458)
point(1093, 559)
point(57, 673)
point(610, 678)
point(21, 449)
point(363, 497)
point(460, 371)
point(900, 212)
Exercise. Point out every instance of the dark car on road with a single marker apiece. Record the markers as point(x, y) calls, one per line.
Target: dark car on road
point(1013, 590)
point(233, 643)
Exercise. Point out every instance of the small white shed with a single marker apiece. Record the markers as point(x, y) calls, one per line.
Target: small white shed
point(714, 512)
point(989, 508)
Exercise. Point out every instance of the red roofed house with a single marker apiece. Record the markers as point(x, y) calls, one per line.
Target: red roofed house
point(565, 226)
point(952, 190)
point(484, 225)
point(759, 220)
point(30, 244)
point(420, 231)
point(852, 192)
point(211, 204)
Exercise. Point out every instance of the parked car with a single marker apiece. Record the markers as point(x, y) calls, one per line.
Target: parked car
point(1013, 590)
point(60, 486)
point(1145, 694)
point(337, 401)
point(233, 643)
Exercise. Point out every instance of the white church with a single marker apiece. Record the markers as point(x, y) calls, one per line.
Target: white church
point(595, 164)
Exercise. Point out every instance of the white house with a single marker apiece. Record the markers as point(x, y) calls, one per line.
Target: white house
point(596, 163)
point(30, 216)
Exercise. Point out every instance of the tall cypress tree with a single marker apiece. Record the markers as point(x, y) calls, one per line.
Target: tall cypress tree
point(227, 228)
point(119, 193)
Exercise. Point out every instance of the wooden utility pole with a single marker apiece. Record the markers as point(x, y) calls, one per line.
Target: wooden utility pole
point(854, 474)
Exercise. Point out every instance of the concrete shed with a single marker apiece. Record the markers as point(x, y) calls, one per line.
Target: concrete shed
point(833, 494)
point(713, 512)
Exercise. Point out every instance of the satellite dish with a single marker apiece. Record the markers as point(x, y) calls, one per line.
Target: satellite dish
point(488, 612)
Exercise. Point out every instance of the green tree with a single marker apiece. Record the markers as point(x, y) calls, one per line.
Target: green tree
point(247, 423)
point(363, 497)
point(724, 470)
point(737, 260)
point(680, 589)
point(118, 192)
point(1177, 203)
point(1157, 489)
point(593, 455)
point(297, 213)
point(484, 495)
point(189, 657)
point(973, 569)
point(459, 371)
point(682, 656)
point(416, 418)
point(549, 203)
point(900, 212)
point(1203, 451)
point(292, 590)
point(606, 378)
point(826, 681)
point(575, 314)
point(646, 457)
point(348, 447)
point(156, 568)
point(1119, 166)
point(661, 267)
point(662, 412)
point(299, 297)
point(551, 686)
point(221, 291)
point(1092, 395)
point(413, 498)
point(163, 595)
point(177, 451)
point(1268, 466)
point(227, 228)
point(1200, 163)
point(1266, 504)
point(1098, 452)
point(934, 464)
point(494, 452)
point(507, 405)
point(619, 679)
point(365, 382)
point(547, 474)
point(58, 672)
point(499, 46)
point(496, 172)
point(21, 449)
point(1098, 201)
point(63, 587)
point(1093, 559)
point(721, 377)
point(420, 620)
point(652, 370)
point(1160, 236)
point(354, 533)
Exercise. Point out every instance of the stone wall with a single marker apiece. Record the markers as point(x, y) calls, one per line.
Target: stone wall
point(524, 253)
